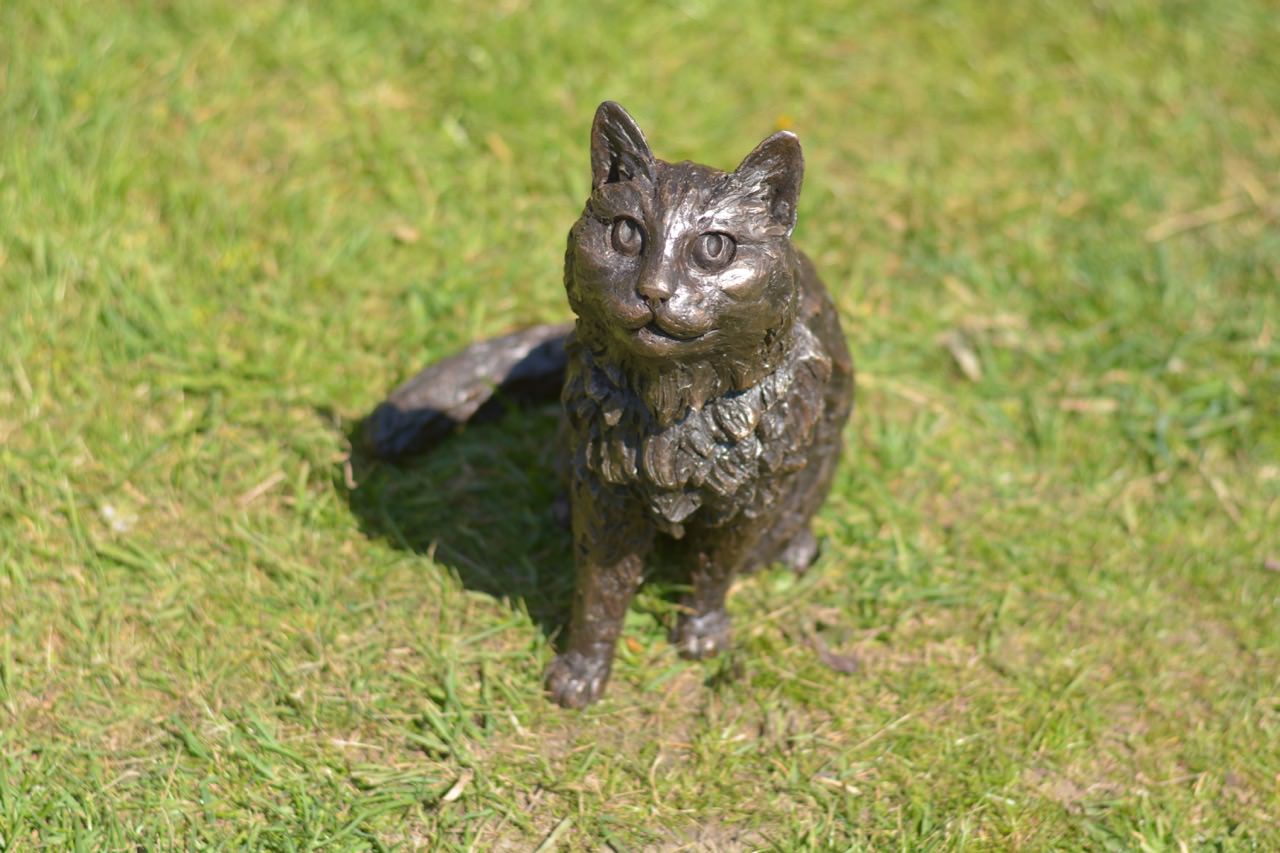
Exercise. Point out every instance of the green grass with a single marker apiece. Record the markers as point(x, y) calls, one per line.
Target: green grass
point(226, 229)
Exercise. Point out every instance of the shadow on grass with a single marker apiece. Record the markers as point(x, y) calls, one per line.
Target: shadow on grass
point(479, 504)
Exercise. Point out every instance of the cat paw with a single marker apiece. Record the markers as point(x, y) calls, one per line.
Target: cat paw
point(704, 635)
point(575, 681)
point(801, 552)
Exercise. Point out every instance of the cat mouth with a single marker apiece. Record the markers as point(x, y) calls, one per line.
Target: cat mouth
point(652, 332)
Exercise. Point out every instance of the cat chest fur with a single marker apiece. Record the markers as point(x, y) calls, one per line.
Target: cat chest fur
point(726, 457)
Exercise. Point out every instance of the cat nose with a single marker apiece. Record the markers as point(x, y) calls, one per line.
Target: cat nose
point(655, 288)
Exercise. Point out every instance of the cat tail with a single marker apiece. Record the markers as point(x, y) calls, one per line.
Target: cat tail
point(475, 385)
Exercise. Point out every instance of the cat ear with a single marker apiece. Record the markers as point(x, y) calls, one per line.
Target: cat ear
point(619, 151)
point(775, 169)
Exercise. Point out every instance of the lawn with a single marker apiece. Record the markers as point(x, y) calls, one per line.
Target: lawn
point(1052, 551)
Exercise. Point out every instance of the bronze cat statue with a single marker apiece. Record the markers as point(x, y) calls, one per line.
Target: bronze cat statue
point(705, 385)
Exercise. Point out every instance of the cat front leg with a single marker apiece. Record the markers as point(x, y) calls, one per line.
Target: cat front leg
point(611, 538)
point(712, 556)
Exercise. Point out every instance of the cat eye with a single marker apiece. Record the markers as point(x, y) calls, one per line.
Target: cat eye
point(713, 250)
point(628, 236)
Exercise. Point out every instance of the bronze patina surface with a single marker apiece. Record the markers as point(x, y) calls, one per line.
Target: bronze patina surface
point(705, 384)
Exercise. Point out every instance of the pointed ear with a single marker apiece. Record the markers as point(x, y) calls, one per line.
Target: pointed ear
point(619, 151)
point(776, 169)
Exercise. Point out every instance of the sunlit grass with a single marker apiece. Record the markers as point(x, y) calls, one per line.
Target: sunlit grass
point(226, 230)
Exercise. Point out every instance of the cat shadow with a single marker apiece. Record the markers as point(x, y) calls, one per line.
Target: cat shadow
point(478, 504)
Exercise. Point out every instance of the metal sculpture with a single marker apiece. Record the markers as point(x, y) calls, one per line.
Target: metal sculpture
point(705, 384)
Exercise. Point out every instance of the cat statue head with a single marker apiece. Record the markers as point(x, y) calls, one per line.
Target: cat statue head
point(679, 263)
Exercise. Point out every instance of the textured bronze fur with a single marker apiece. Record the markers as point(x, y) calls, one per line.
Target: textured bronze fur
point(705, 386)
